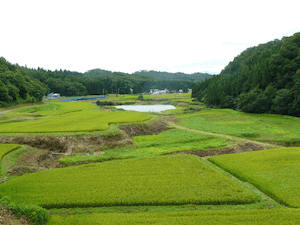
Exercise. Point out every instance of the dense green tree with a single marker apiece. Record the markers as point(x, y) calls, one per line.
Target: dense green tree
point(17, 86)
point(283, 102)
point(264, 78)
point(4, 96)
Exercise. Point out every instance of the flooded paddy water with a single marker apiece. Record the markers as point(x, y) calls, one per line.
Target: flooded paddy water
point(146, 108)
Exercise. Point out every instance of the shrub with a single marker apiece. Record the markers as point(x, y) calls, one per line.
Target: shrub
point(141, 97)
point(105, 103)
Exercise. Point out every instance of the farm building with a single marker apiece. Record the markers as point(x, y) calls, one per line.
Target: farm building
point(158, 92)
point(53, 95)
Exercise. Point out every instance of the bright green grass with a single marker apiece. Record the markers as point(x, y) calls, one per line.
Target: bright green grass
point(38, 108)
point(9, 160)
point(74, 117)
point(185, 97)
point(274, 171)
point(173, 137)
point(167, 142)
point(261, 127)
point(51, 109)
point(224, 217)
point(151, 99)
point(164, 180)
point(6, 148)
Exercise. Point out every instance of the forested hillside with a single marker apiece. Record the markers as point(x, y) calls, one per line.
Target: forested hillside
point(17, 86)
point(194, 77)
point(262, 79)
point(142, 81)
point(21, 84)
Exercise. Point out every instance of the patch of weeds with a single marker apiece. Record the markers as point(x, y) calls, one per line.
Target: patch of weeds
point(250, 135)
point(105, 103)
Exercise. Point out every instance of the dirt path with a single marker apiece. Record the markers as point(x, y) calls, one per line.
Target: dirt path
point(4, 111)
point(244, 143)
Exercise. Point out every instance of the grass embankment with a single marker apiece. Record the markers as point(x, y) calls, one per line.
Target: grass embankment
point(275, 171)
point(151, 145)
point(68, 117)
point(6, 148)
point(261, 127)
point(224, 217)
point(164, 180)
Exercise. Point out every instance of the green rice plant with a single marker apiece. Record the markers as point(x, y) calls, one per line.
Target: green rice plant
point(164, 180)
point(37, 108)
point(167, 142)
point(215, 217)
point(51, 109)
point(168, 137)
point(74, 117)
point(151, 99)
point(275, 171)
point(262, 127)
point(6, 148)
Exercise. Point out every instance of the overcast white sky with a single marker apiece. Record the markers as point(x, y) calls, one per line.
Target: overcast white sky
point(131, 35)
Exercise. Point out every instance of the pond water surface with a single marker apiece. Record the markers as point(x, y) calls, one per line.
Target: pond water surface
point(146, 108)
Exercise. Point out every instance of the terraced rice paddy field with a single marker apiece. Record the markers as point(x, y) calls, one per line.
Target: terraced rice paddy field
point(275, 171)
point(69, 117)
point(278, 129)
point(126, 167)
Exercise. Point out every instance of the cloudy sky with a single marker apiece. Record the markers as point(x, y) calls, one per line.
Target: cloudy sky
point(131, 35)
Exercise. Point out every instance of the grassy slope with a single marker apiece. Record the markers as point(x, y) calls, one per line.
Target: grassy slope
point(164, 180)
point(274, 128)
point(6, 148)
point(275, 171)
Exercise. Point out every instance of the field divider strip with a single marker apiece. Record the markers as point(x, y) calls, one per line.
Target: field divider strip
point(171, 124)
point(268, 200)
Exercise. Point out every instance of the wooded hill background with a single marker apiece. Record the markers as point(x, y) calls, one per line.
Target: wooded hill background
point(262, 79)
point(20, 84)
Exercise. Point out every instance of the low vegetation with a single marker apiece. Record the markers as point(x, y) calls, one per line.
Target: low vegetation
point(284, 130)
point(167, 142)
point(85, 118)
point(33, 214)
point(213, 217)
point(274, 171)
point(164, 180)
point(6, 148)
point(146, 180)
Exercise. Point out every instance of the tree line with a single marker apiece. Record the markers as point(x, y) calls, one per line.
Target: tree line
point(262, 79)
point(21, 84)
